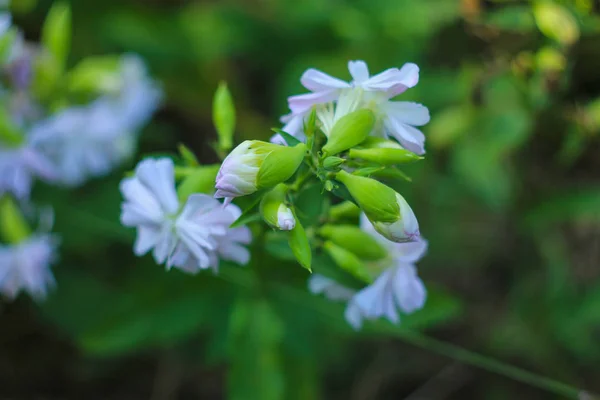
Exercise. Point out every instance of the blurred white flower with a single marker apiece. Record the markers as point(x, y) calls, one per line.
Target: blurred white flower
point(26, 266)
point(397, 119)
point(192, 239)
point(89, 141)
point(138, 96)
point(19, 166)
point(83, 142)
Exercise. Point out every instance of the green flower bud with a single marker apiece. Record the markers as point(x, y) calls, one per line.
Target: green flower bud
point(387, 210)
point(332, 163)
point(255, 165)
point(355, 240)
point(385, 156)
point(274, 210)
point(377, 200)
point(347, 261)
point(349, 131)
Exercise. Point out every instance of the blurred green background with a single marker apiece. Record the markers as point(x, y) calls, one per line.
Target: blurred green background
point(508, 197)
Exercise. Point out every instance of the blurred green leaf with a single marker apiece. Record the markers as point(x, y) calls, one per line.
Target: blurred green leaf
point(255, 337)
point(56, 33)
point(556, 22)
point(300, 245)
point(224, 116)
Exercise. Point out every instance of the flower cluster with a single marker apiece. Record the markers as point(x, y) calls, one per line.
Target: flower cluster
point(59, 126)
point(396, 285)
point(346, 137)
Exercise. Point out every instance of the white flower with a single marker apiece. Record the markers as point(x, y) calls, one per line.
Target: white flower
point(90, 141)
point(138, 96)
point(396, 288)
point(191, 239)
point(18, 168)
point(26, 266)
point(397, 119)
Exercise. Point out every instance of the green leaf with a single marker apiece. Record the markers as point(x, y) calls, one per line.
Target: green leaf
point(256, 365)
point(187, 155)
point(224, 116)
point(289, 139)
point(300, 246)
point(56, 33)
point(152, 308)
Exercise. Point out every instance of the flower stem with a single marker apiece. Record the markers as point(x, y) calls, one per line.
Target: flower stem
point(491, 365)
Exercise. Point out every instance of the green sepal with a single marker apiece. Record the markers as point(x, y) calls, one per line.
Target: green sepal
point(349, 131)
point(279, 165)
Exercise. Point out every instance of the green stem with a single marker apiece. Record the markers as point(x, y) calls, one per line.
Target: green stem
point(491, 365)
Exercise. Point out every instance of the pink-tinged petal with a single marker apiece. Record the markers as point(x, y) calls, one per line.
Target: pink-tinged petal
point(409, 137)
point(302, 103)
point(359, 71)
point(394, 81)
point(317, 81)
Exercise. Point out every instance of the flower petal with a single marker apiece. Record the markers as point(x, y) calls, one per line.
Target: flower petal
point(159, 177)
point(359, 71)
point(302, 103)
point(317, 81)
point(409, 137)
point(409, 113)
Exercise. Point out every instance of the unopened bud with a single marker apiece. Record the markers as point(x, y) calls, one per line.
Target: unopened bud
point(387, 210)
point(255, 165)
point(332, 163)
point(355, 240)
point(349, 131)
point(274, 210)
point(385, 156)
